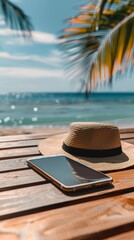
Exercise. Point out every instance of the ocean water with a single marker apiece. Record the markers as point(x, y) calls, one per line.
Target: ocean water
point(60, 109)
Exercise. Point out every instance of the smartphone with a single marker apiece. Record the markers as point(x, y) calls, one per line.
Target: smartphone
point(68, 174)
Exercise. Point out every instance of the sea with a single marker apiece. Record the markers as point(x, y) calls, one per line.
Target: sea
point(60, 109)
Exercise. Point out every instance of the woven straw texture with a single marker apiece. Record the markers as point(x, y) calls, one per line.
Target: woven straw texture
point(95, 136)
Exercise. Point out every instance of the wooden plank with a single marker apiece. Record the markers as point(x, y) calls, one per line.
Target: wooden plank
point(19, 179)
point(18, 163)
point(27, 200)
point(13, 164)
point(14, 179)
point(99, 219)
point(20, 144)
point(127, 138)
point(34, 142)
point(19, 152)
point(123, 236)
point(129, 141)
point(23, 137)
point(127, 130)
point(125, 133)
point(124, 136)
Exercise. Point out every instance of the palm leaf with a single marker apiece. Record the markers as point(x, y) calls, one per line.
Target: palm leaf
point(81, 42)
point(114, 52)
point(16, 18)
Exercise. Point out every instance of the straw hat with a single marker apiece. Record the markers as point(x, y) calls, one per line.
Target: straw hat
point(96, 145)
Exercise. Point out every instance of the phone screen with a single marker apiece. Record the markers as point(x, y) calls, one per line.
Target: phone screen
point(68, 171)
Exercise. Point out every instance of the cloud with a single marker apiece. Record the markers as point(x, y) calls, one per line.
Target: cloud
point(6, 32)
point(2, 22)
point(30, 73)
point(37, 37)
point(47, 38)
point(6, 55)
point(52, 60)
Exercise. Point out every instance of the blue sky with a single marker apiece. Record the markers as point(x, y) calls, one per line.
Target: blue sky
point(38, 65)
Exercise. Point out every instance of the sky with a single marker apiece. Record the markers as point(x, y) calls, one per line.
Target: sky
point(37, 65)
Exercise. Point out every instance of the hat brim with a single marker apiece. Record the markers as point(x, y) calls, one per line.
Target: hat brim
point(53, 146)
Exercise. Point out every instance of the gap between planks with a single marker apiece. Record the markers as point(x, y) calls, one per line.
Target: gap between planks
point(15, 159)
point(99, 219)
point(14, 164)
point(17, 179)
point(20, 179)
point(125, 133)
point(26, 137)
point(19, 152)
point(20, 144)
point(26, 151)
point(35, 142)
point(42, 197)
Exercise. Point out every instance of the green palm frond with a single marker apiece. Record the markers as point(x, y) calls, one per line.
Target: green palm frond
point(82, 39)
point(16, 18)
point(114, 53)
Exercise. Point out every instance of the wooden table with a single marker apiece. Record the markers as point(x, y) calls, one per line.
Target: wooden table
point(32, 208)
